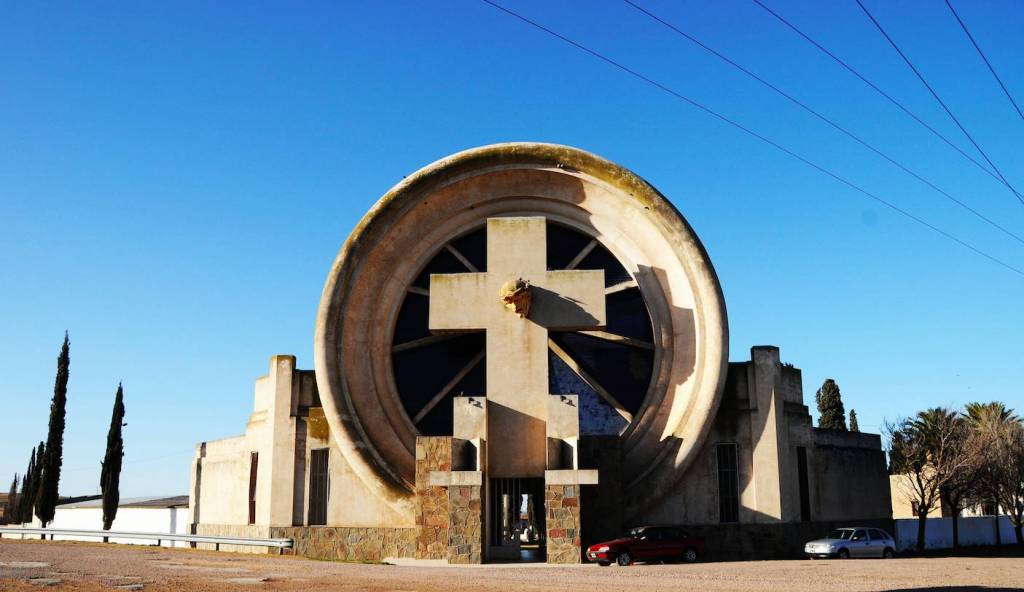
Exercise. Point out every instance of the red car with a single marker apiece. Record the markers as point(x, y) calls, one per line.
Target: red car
point(648, 543)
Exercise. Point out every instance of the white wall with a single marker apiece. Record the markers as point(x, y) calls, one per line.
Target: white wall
point(158, 520)
point(980, 530)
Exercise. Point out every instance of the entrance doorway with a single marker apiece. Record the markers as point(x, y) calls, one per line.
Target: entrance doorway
point(516, 520)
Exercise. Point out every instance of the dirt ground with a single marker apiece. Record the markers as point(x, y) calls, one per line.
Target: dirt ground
point(32, 565)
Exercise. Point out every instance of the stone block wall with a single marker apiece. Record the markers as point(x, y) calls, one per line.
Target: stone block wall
point(433, 453)
point(343, 543)
point(465, 526)
point(562, 513)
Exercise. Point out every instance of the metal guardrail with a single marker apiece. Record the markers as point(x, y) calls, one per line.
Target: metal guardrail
point(159, 537)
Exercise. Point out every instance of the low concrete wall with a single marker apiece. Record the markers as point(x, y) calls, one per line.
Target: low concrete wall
point(938, 532)
point(738, 542)
point(349, 543)
point(234, 530)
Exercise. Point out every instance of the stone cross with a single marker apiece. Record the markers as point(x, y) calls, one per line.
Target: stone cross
point(517, 347)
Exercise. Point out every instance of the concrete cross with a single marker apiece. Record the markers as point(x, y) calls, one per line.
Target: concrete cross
point(517, 348)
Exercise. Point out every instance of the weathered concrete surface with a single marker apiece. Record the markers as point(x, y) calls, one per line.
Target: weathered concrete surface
point(517, 347)
point(763, 414)
point(568, 186)
point(286, 425)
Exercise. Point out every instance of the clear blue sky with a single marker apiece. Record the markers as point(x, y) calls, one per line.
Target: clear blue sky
point(176, 178)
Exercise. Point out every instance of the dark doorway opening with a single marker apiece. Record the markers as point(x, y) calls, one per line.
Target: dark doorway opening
point(801, 472)
point(254, 461)
point(319, 485)
point(516, 520)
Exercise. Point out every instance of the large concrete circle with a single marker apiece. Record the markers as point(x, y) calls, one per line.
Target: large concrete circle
point(414, 220)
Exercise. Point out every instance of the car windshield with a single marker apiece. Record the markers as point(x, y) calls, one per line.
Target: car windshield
point(841, 533)
point(636, 532)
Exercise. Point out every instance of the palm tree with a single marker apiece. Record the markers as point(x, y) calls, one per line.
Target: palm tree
point(928, 452)
point(992, 417)
point(992, 424)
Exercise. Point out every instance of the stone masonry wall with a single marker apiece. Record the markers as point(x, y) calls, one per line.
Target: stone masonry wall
point(465, 528)
point(562, 508)
point(343, 543)
point(433, 453)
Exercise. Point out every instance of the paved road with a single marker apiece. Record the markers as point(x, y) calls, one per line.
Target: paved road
point(27, 565)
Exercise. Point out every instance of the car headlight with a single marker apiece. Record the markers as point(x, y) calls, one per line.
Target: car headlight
point(602, 549)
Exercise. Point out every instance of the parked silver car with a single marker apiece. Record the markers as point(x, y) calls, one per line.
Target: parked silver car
point(845, 543)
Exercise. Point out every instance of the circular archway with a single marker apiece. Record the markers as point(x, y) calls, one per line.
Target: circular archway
point(384, 379)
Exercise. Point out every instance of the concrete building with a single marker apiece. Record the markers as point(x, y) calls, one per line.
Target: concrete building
point(528, 329)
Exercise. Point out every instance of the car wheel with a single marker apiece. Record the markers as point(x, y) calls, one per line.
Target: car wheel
point(624, 559)
point(844, 553)
point(604, 563)
point(690, 555)
point(888, 553)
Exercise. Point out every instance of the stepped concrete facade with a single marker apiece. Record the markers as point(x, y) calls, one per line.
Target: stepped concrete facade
point(522, 349)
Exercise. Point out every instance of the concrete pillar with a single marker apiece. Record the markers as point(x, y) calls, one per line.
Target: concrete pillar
point(276, 466)
point(769, 434)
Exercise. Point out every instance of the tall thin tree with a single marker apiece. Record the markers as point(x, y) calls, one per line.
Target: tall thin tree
point(11, 507)
point(854, 427)
point(832, 416)
point(110, 475)
point(49, 481)
point(24, 504)
point(30, 484)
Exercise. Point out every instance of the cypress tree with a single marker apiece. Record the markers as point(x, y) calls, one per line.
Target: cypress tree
point(24, 505)
point(110, 475)
point(11, 509)
point(46, 499)
point(830, 406)
point(30, 484)
point(853, 421)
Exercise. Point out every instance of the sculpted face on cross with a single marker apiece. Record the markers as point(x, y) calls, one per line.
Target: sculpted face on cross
point(517, 335)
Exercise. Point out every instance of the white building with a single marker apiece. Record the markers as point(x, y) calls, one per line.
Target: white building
point(141, 514)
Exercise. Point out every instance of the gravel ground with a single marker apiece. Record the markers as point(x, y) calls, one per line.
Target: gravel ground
point(31, 565)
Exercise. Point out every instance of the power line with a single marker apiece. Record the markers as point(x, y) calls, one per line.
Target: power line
point(830, 122)
point(940, 101)
point(985, 59)
point(878, 90)
point(751, 132)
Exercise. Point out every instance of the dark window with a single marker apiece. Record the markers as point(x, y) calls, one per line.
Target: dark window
point(254, 458)
point(319, 485)
point(805, 496)
point(728, 484)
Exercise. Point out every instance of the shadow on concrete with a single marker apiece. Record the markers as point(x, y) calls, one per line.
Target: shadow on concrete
point(553, 310)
